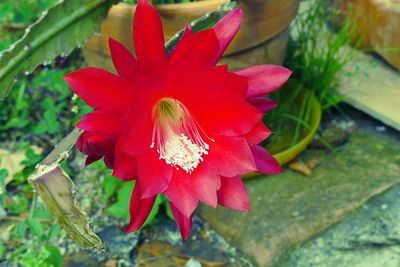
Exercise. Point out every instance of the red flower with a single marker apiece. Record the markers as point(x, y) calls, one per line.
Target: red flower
point(178, 124)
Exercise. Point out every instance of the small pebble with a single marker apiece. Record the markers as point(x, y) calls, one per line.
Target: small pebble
point(193, 263)
point(295, 213)
point(380, 128)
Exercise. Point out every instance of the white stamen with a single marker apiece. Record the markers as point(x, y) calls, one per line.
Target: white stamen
point(181, 151)
point(176, 135)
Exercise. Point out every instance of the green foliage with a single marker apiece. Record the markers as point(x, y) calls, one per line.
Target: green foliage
point(41, 105)
point(36, 230)
point(3, 250)
point(19, 204)
point(120, 208)
point(29, 166)
point(316, 54)
point(52, 35)
point(34, 235)
point(46, 256)
point(3, 191)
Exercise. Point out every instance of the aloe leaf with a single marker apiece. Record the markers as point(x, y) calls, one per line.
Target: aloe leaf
point(58, 31)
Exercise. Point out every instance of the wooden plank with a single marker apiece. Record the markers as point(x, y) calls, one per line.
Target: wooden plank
point(374, 89)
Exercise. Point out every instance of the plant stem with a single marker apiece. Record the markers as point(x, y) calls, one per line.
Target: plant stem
point(33, 205)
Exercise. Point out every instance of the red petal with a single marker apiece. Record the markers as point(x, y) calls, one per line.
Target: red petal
point(109, 161)
point(231, 114)
point(265, 163)
point(203, 183)
point(183, 200)
point(202, 45)
point(231, 117)
point(264, 79)
point(81, 143)
point(236, 85)
point(124, 62)
point(154, 174)
point(139, 209)
point(258, 134)
point(225, 30)
point(125, 165)
point(208, 86)
point(92, 144)
point(92, 158)
point(184, 223)
point(148, 34)
point(100, 89)
point(137, 139)
point(231, 156)
point(101, 144)
point(233, 194)
point(101, 122)
point(262, 104)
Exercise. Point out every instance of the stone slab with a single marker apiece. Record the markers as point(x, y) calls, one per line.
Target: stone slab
point(369, 237)
point(374, 89)
point(290, 208)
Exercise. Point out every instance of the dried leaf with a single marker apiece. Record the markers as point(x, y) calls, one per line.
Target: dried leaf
point(57, 191)
point(300, 167)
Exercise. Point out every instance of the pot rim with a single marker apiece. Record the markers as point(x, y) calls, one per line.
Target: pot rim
point(188, 5)
point(290, 153)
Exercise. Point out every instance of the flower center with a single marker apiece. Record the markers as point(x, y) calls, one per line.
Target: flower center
point(177, 135)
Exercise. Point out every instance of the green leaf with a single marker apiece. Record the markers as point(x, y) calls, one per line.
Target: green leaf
point(168, 210)
point(61, 28)
point(110, 185)
point(19, 205)
point(3, 250)
point(20, 230)
point(35, 227)
point(3, 192)
point(120, 209)
point(55, 258)
point(53, 231)
point(42, 214)
point(31, 158)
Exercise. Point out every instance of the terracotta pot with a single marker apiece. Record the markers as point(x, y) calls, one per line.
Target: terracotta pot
point(377, 25)
point(264, 28)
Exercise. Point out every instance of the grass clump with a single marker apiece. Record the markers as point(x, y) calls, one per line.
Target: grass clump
point(317, 55)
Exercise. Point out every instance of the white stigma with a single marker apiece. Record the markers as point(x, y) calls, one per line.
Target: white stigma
point(177, 135)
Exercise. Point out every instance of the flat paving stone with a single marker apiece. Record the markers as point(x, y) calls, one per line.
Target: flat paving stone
point(289, 209)
point(368, 237)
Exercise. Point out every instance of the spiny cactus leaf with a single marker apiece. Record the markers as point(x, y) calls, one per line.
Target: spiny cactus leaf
point(58, 31)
